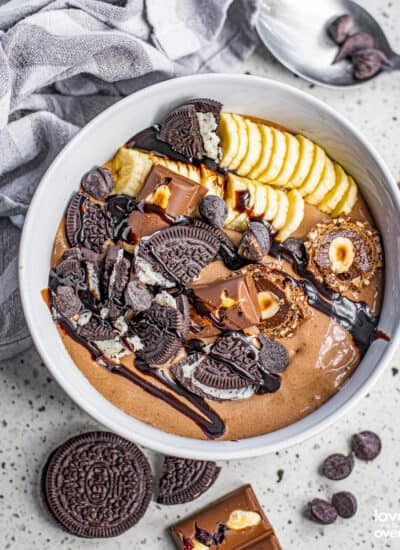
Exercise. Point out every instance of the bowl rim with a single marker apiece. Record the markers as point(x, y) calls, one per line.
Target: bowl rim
point(222, 449)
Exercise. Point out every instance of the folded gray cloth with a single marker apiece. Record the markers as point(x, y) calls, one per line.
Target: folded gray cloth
point(62, 62)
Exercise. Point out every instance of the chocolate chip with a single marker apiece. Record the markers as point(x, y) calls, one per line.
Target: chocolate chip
point(338, 466)
point(67, 302)
point(366, 445)
point(322, 511)
point(213, 210)
point(98, 182)
point(345, 504)
point(137, 296)
point(273, 356)
point(184, 480)
point(368, 62)
point(180, 129)
point(255, 242)
point(340, 28)
point(358, 41)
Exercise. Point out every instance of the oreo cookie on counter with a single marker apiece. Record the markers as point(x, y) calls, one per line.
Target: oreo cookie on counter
point(97, 485)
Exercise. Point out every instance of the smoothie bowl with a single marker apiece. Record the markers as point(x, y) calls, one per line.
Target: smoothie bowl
point(207, 268)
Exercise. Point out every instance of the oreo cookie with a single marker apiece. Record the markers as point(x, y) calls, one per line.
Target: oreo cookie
point(97, 485)
point(184, 480)
point(222, 377)
point(180, 252)
point(96, 329)
point(180, 129)
point(119, 278)
point(98, 183)
point(137, 296)
point(97, 227)
point(183, 372)
point(235, 352)
point(205, 105)
point(74, 219)
point(160, 330)
point(273, 355)
point(67, 302)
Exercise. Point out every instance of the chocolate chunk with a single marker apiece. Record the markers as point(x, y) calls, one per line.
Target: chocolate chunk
point(180, 252)
point(98, 182)
point(137, 296)
point(273, 356)
point(255, 242)
point(160, 330)
point(340, 28)
point(358, 41)
point(204, 105)
point(184, 480)
point(338, 466)
point(119, 277)
point(96, 227)
point(270, 383)
point(180, 129)
point(213, 210)
point(97, 485)
point(96, 329)
point(366, 445)
point(322, 511)
point(66, 301)
point(368, 62)
point(73, 218)
point(345, 504)
point(234, 521)
point(296, 248)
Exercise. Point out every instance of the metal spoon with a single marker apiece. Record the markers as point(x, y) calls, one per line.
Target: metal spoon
point(295, 33)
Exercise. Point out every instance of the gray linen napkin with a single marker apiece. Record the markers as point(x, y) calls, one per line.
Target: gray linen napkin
point(62, 62)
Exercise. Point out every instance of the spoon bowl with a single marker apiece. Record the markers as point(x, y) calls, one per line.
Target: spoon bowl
point(296, 34)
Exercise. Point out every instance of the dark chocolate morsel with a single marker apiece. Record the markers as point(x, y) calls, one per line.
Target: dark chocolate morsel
point(255, 242)
point(358, 41)
point(338, 466)
point(322, 511)
point(213, 210)
point(273, 356)
point(345, 504)
point(270, 383)
point(184, 480)
point(137, 296)
point(180, 129)
point(368, 62)
point(66, 301)
point(340, 28)
point(97, 485)
point(366, 445)
point(73, 218)
point(98, 183)
point(297, 249)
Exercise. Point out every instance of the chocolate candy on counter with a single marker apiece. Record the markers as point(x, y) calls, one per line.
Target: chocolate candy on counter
point(235, 521)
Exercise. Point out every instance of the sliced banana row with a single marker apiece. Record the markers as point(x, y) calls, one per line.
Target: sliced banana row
point(268, 155)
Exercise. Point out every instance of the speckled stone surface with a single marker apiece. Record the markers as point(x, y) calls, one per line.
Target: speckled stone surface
point(36, 415)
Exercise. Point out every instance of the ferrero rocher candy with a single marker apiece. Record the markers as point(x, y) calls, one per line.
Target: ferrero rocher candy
point(344, 254)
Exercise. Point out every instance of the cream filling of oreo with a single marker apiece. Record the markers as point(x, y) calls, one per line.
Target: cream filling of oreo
point(165, 299)
point(93, 281)
point(135, 342)
point(207, 127)
point(112, 349)
point(148, 276)
point(84, 318)
point(121, 325)
point(189, 371)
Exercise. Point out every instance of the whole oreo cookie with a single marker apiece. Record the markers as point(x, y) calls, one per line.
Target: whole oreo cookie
point(180, 252)
point(180, 129)
point(160, 330)
point(98, 182)
point(184, 480)
point(97, 485)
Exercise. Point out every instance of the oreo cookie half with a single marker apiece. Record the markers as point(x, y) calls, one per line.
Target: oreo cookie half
point(220, 376)
point(73, 218)
point(239, 355)
point(98, 182)
point(180, 252)
point(97, 485)
point(205, 105)
point(180, 129)
point(184, 480)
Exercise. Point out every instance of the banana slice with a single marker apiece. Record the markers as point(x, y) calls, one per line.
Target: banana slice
point(290, 162)
point(332, 199)
point(314, 176)
point(294, 217)
point(306, 156)
point(210, 179)
point(260, 200)
point(243, 142)
point(253, 149)
point(272, 203)
point(283, 206)
point(326, 183)
point(252, 189)
point(348, 201)
point(277, 157)
point(235, 185)
point(130, 168)
point(239, 223)
point(229, 135)
point(267, 143)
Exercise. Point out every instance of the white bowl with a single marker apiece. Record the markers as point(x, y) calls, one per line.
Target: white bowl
point(99, 140)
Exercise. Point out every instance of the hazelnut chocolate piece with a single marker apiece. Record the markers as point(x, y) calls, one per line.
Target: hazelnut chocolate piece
point(165, 195)
point(231, 303)
point(236, 520)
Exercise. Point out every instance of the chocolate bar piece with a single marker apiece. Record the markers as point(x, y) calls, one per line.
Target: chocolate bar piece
point(235, 521)
point(170, 195)
point(231, 303)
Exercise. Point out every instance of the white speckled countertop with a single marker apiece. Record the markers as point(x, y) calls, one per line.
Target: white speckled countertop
point(36, 415)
